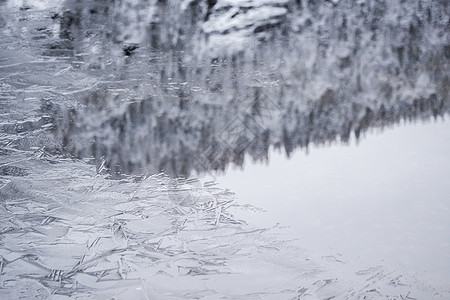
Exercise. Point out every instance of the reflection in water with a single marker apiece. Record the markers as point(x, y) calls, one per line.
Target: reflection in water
point(194, 86)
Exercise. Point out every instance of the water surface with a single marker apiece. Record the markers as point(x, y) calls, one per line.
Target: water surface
point(382, 201)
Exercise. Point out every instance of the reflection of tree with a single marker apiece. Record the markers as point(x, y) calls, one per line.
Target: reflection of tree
point(318, 74)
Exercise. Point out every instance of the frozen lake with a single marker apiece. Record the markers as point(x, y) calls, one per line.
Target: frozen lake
point(110, 110)
point(384, 201)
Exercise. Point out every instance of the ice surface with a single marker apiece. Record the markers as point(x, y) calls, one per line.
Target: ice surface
point(91, 91)
point(67, 230)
